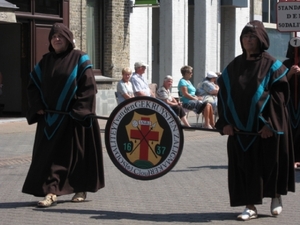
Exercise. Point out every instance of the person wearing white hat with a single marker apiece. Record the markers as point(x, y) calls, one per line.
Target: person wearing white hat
point(209, 89)
point(139, 83)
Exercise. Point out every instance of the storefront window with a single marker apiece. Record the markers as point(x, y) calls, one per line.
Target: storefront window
point(93, 34)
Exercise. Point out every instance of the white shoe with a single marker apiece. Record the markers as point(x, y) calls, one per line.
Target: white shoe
point(49, 200)
point(207, 127)
point(276, 206)
point(79, 197)
point(247, 214)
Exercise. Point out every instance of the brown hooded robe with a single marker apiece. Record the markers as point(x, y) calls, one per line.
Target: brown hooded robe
point(67, 153)
point(294, 103)
point(254, 93)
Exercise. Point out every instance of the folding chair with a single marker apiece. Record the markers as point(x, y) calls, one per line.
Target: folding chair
point(116, 95)
point(153, 88)
point(187, 111)
point(216, 115)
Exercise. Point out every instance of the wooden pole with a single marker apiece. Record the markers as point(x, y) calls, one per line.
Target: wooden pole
point(295, 75)
point(182, 127)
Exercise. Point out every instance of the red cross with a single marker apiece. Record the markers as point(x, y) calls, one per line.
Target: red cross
point(145, 135)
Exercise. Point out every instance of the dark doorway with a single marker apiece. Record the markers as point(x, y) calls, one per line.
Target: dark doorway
point(10, 66)
point(23, 45)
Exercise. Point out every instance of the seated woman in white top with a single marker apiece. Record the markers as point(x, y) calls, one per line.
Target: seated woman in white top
point(124, 86)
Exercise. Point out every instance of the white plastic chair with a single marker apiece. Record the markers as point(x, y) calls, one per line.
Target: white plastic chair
point(153, 88)
point(187, 111)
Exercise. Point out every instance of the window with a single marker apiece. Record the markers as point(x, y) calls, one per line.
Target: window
point(23, 6)
point(94, 32)
point(269, 11)
point(278, 40)
point(278, 43)
point(48, 6)
point(40, 6)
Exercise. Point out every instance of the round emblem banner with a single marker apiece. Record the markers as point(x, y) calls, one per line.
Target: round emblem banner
point(144, 138)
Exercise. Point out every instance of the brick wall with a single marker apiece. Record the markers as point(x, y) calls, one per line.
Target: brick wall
point(116, 33)
point(78, 22)
point(116, 45)
point(116, 38)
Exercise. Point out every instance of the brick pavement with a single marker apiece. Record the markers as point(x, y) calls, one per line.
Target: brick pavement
point(194, 192)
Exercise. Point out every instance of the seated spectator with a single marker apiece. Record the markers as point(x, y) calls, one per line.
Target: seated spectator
point(191, 101)
point(124, 86)
point(164, 94)
point(139, 82)
point(209, 89)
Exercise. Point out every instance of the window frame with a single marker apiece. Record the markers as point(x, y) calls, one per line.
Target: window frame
point(31, 7)
point(96, 40)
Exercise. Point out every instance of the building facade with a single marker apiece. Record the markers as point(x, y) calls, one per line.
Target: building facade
point(202, 34)
point(117, 33)
point(101, 28)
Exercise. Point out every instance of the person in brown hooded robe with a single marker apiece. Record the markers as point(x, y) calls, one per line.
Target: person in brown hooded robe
point(67, 152)
point(252, 106)
point(294, 103)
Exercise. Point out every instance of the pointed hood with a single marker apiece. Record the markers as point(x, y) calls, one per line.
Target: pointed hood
point(62, 29)
point(290, 53)
point(257, 28)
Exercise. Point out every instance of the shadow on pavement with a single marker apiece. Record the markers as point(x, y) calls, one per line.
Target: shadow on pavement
point(117, 215)
point(172, 217)
point(197, 168)
point(13, 205)
point(297, 172)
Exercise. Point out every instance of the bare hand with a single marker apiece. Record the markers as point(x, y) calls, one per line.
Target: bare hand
point(228, 130)
point(266, 132)
point(41, 112)
point(295, 69)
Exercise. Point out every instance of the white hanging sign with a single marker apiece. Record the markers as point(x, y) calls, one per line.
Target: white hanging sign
point(288, 16)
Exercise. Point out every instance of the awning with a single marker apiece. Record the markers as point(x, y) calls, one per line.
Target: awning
point(7, 12)
point(145, 2)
